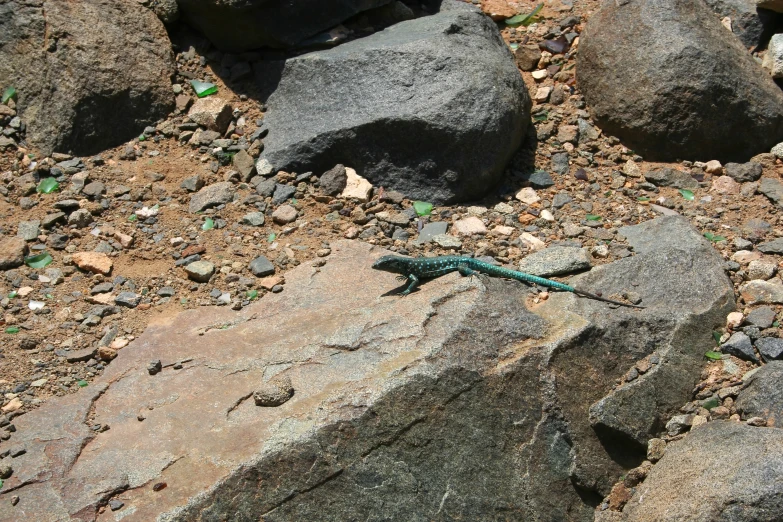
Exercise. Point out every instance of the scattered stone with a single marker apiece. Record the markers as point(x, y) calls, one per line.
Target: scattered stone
point(356, 186)
point(261, 267)
point(773, 60)
point(276, 392)
point(94, 262)
point(12, 252)
point(284, 214)
point(725, 185)
point(655, 449)
point(469, 226)
point(760, 269)
point(667, 177)
point(762, 395)
point(154, 367)
point(430, 230)
point(264, 168)
point(254, 219)
point(743, 172)
point(739, 346)
point(679, 424)
point(80, 218)
point(115, 504)
point(771, 247)
point(527, 196)
point(211, 112)
point(770, 348)
point(758, 292)
point(245, 164)
point(211, 196)
point(106, 353)
point(773, 189)
point(447, 241)
point(85, 354)
point(334, 180)
point(282, 193)
point(556, 261)
point(192, 184)
point(200, 271)
point(129, 299)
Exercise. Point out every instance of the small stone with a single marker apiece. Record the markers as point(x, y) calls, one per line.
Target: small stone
point(28, 230)
point(561, 163)
point(13, 405)
point(166, 291)
point(561, 199)
point(772, 247)
point(200, 271)
point(725, 185)
point(430, 230)
point(743, 172)
point(734, 320)
point(770, 348)
point(154, 367)
point(115, 504)
point(125, 240)
point(757, 292)
point(504, 208)
point(763, 317)
point(106, 353)
point(632, 169)
point(469, 226)
point(713, 167)
point(270, 282)
point(334, 180)
point(282, 193)
point(80, 218)
point(542, 94)
point(102, 288)
point(284, 214)
point(192, 184)
point(356, 186)
point(760, 269)
point(14, 500)
point(245, 164)
point(739, 346)
point(264, 168)
point(773, 189)
point(567, 133)
point(12, 252)
point(211, 112)
point(254, 219)
point(94, 190)
point(276, 392)
point(527, 196)
point(211, 196)
point(94, 262)
point(261, 267)
point(5, 472)
point(447, 241)
point(678, 424)
point(85, 354)
point(744, 257)
point(618, 496)
point(555, 261)
point(129, 299)
point(527, 57)
point(539, 179)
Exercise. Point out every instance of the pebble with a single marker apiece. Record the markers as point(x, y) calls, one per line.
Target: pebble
point(763, 317)
point(356, 187)
point(282, 193)
point(334, 180)
point(12, 252)
point(200, 271)
point(106, 353)
point(28, 230)
point(276, 392)
point(527, 196)
point(80, 218)
point(713, 167)
point(555, 261)
point(734, 320)
point(94, 262)
point(770, 348)
point(725, 185)
point(128, 299)
point(743, 172)
point(115, 504)
point(744, 257)
point(211, 196)
point(192, 184)
point(211, 112)
point(771, 247)
point(678, 424)
point(430, 230)
point(154, 367)
point(542, 93)
point(469, 226)
point(261, 267)
point(284, 214)
point(254, 219)
point(739, 346)
point(760, 269)
point(757, 292)
point(264, 168)
point(447, 241)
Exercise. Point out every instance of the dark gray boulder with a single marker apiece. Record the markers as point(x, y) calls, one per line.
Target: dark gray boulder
point(432, 108)
point(762, 395)
point(722, 471)
point(90, 74)
point(753, 26)
point(240, 25)
point(657, 74)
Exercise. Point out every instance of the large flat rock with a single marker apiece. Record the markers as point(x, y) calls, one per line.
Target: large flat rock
point(460, 401)
point(90, 75)
point(432, 107)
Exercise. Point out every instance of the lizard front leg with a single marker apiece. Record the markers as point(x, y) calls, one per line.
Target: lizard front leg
point(414, 282)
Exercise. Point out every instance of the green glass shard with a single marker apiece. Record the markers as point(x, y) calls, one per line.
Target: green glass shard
point(8, 94)
point(209, 224)
point(39, 261)
point(47, 186)
point(203, 88)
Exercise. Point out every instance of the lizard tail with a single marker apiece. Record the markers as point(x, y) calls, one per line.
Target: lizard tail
point(605, 300)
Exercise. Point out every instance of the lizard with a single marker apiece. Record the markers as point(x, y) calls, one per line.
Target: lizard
point(413, 269)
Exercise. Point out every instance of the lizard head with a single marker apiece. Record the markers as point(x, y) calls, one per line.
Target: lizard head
point(394, 264)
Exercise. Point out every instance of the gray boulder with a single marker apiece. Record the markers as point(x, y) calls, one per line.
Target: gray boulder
point(722, 471)
point(432, 108)
point(241, 25)
point(762, 395)
point(90, 75)
point(656, 74)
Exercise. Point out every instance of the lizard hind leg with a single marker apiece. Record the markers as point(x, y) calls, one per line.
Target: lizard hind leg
point(466, 271)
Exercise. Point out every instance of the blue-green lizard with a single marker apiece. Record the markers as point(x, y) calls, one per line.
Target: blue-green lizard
point(413, 269)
